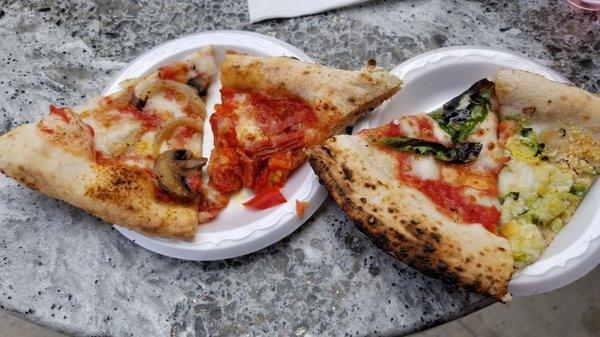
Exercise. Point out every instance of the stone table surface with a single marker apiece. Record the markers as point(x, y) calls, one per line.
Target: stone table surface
point(67, 270)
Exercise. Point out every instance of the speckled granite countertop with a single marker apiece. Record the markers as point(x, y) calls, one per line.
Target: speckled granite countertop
point(69, 271)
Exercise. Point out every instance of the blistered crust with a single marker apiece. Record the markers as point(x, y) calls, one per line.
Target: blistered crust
point(401, 221)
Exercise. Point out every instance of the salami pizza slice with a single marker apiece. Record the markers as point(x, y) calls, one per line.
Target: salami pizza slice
point(131, 158)
point(424, 188)
point(274, 107)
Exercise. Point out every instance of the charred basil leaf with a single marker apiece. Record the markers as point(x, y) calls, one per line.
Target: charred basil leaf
point(461, 153)
point(460, 116)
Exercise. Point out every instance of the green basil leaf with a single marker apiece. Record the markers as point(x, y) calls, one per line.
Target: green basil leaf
point(463, 152)
point(460, 116)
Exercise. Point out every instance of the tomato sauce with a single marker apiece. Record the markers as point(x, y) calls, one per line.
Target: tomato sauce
point(184, 134)
point(44, 128)
point(451, 200)
point(281, 113)
point(149, 120)
point(258, 164)
point(175, 72)
point(61, 112)
point(422, 124)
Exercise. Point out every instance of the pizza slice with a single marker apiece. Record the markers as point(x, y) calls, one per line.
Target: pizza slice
point(272, 108)
point(424, 188)
point(131, 158)
point(553, 142)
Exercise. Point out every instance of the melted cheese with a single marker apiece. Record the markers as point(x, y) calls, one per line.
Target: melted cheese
point(425, 167)
point(481, 198)
point(247, 130)
point(146, 143)
point(202, 62)
point(486, 134)
point(410, 128)
point(516, 176)
point(161, 103)
point(113, 139)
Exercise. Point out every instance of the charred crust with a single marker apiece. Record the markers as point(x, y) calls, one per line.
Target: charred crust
point(420, 253)
point(427, 248)
point(529, 111)
point(347, 172)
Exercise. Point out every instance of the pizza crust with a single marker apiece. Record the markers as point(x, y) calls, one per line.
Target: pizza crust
point(118, 194)
point(404, 223)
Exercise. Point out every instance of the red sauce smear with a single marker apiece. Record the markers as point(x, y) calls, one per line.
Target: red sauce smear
point(450, 199)
point(44, 128)
point(149, 120)
point(175, 72)
point(61, 112)
point(422, 124)
point(184, 134)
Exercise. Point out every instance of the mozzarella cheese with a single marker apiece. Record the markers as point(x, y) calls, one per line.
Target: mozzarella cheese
point(487, 135)
point(425, 167)
point(516, 176)
point(115, 138)
point(481, 198)
point(410, 128)
point(203, 62)
point(161, 103)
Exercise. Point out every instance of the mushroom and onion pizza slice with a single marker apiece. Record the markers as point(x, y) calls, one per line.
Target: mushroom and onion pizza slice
point(424, 188)
point(272, 108)
point(131, 158)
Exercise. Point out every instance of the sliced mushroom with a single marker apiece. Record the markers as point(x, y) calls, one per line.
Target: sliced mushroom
point(172, 167)
point(150, 86)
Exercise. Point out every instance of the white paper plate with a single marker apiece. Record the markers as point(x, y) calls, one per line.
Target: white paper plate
point(236, 231)
point(431, 79)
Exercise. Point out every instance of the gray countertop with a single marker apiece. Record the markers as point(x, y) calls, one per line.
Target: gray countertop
point(67, 270)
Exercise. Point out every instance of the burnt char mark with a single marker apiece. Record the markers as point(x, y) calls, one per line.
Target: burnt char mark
point(348, 174)
point(529, 111)
point(420, 254)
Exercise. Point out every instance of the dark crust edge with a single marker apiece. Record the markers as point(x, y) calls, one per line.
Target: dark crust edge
point(419, 256)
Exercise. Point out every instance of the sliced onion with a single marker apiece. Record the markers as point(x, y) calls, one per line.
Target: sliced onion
point(169, 128)
point(130, 82)
point(149, 86)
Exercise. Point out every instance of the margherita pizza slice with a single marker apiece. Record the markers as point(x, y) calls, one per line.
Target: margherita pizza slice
point(132, 158)
point(274, 107)
point(424, 187)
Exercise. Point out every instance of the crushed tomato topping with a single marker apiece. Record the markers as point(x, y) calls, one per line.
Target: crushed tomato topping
point(449, 199)
point(266, 199)
point(264, 158)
